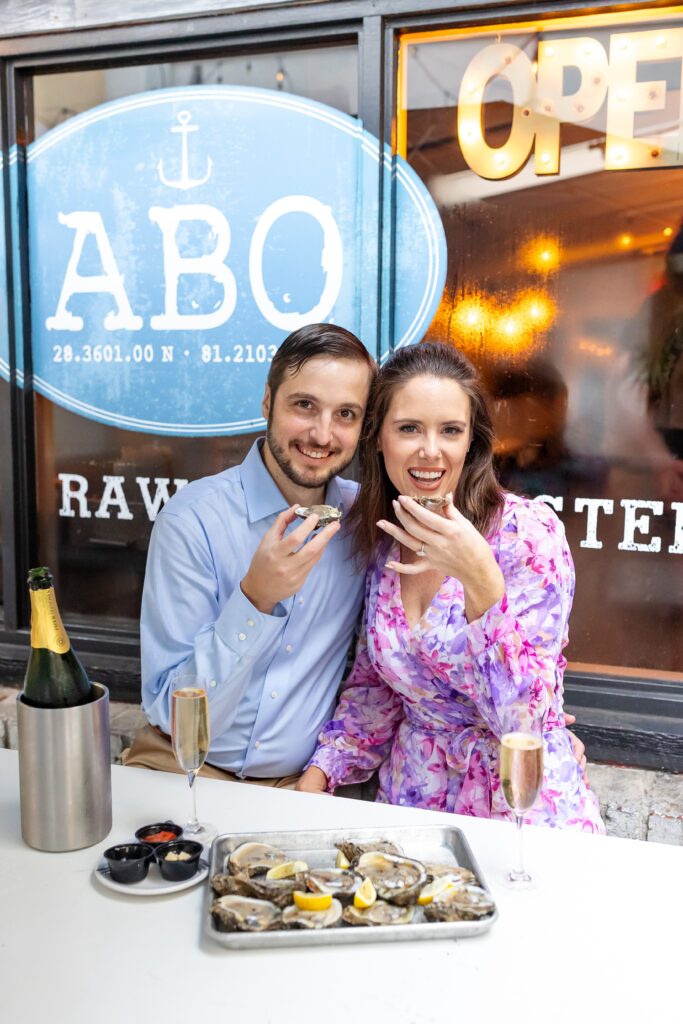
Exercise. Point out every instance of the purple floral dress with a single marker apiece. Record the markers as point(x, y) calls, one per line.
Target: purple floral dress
point(426, 705)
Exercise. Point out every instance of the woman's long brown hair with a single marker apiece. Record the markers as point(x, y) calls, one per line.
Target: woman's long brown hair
point(478, 495)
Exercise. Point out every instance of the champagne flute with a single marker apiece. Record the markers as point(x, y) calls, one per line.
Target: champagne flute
point(521, 775)
point(190, 736)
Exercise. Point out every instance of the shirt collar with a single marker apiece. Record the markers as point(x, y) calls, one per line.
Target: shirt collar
point(263, 496)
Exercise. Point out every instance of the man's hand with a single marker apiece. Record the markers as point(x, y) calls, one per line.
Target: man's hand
point(577, 746)
point(313, 780)
point(281, 563)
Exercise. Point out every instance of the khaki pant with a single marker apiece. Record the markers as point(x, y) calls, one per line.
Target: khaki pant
point(152, 749)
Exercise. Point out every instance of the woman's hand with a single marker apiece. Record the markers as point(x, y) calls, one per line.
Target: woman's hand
point(451, 545)
point(313, 780)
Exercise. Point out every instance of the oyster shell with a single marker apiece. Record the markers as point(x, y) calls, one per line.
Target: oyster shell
point(254, 859)
point(380, 913)
point(468, 903)
point(225, 885)
point(276, 890)
point(353, 851)
point(327, 513)
point(430, 501)
point(397, 879)
point(461, 875)
point(244, 914)
point(292, 917)
point(341, 883)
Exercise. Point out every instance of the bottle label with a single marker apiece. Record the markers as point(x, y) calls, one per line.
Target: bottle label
point(46, 623)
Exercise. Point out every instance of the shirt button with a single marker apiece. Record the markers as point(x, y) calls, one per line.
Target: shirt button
point(257, 744)
point(301, 600)
point(250, 622)
point(288, 648)
point(241, 636)
point(274, 694)
point(212, 682)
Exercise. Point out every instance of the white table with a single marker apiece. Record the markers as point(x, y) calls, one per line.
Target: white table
point(598, 939)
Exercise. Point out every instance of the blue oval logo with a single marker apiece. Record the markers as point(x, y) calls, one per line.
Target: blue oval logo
point(176, 238)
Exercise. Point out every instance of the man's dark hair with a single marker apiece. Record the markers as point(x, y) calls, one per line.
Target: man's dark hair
point(316, 340)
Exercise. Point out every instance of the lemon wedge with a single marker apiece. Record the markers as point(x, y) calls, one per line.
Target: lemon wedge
point(312, 900)
point(286, 870)
point(342, 861)
point(435, 889)
point(365, 896)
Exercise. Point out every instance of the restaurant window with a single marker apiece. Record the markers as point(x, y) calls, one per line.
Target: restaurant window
point(96, 539)
point(554, 153)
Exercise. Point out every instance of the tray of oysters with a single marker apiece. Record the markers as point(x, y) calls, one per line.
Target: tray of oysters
point(271, 889)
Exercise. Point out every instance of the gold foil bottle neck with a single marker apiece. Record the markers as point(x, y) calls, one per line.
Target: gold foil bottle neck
point(47, 629)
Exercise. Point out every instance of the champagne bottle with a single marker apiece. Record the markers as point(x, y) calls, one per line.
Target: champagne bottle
point(54, 676)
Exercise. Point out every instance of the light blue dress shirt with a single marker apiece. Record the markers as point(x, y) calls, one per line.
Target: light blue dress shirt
point(272, 679)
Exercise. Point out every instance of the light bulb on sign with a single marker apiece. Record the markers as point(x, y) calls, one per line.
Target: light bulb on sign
point(625, 240)
point(667, 232)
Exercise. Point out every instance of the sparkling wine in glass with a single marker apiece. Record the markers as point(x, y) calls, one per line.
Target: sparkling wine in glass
point(190, 735)
point(521, 775)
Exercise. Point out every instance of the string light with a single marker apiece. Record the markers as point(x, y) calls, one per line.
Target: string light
point(542, 255)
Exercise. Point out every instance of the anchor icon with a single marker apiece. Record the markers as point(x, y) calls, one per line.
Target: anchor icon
point(184, 181)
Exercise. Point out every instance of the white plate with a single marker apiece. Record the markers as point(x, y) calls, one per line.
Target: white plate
point(153, 885)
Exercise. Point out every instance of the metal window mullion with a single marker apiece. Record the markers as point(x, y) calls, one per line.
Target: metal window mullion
point(19, 519)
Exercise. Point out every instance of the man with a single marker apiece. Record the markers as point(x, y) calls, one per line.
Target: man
point(243, 594)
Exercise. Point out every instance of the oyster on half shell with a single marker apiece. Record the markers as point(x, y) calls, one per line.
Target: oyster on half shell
point(327, 513)
point(396, 879)
point(341, 883)
point(463, 876)
point(380, 913)
point(276, 890)
point(430, 501)
point(467, 903)
point(254, 859)
point(292, 917)
point(353, 851)
point(244, 914)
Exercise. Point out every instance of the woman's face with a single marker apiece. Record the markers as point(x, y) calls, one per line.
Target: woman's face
point(425, 436)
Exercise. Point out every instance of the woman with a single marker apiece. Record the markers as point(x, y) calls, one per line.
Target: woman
point(465, 615)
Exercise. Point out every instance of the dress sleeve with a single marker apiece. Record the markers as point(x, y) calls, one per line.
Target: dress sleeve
point(511, 657)
point(359, 737)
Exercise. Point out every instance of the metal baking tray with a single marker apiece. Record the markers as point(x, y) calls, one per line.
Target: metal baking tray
point(435, 843)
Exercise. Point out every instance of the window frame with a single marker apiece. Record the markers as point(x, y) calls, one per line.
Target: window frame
point(635, 717)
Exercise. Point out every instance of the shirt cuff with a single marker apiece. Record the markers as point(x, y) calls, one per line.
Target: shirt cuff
point(242, 627)
point(491, 627)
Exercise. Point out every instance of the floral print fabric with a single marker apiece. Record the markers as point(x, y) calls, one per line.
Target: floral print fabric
point(427, 706)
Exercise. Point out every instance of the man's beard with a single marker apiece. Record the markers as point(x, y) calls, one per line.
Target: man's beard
point(285, 464)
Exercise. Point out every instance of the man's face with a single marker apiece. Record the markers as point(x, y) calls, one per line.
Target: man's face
point(314, 421)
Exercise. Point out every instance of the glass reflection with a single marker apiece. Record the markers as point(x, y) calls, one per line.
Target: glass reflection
point(75, 456)
point(565, 286)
